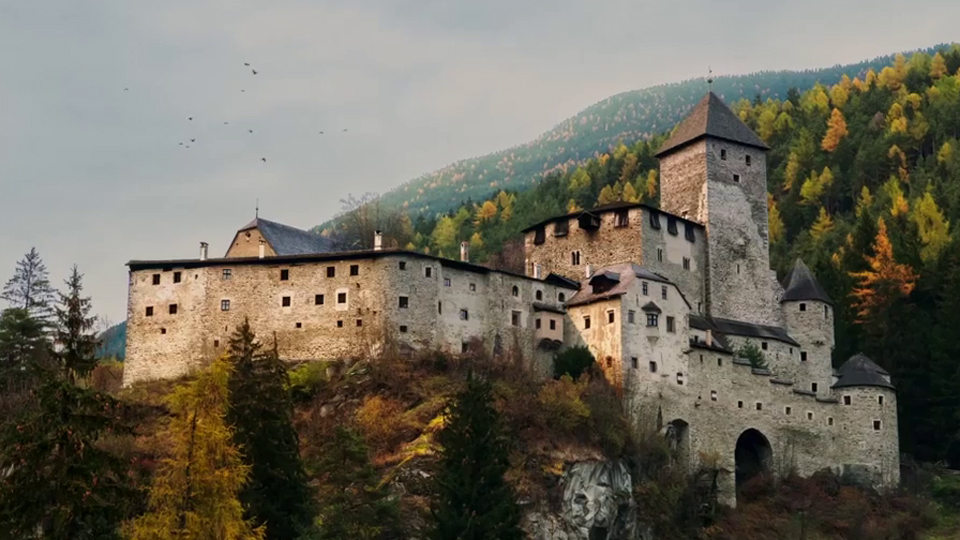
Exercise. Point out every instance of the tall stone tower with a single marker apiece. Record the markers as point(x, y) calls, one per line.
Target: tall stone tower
point(713, 169)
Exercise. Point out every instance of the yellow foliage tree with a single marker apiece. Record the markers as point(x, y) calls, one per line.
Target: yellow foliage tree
point(845, 82)
point(836, 131)
point(938, 67)
point(629, 193)
point(945, 154)
point(572, 206)
point(606, 196)
point(896, 153)
point(816, 185)
point(896, 120)
point(839, 95)
point(194, 492)
point(898, 203)
point(822, 225)
point(651, 184)
point(870, 79)
point(767, 122)
point(629, 169)
point(933, 229)
point(884, 282)
point(487, 211)
point(865, 201)
point(790, 173)
point(815, 100)
point(774, 221)
point(858, 84)
point(476, 242)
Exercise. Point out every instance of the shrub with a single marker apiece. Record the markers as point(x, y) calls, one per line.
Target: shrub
point(107, 376)
point(608, 423)
point(561, 404)
point(946, 490)
point(574, 362)
point(381, 419)
point(750, 352)
point(307, 379)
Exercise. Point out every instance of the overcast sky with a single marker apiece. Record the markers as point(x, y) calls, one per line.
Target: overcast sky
point(95, 96)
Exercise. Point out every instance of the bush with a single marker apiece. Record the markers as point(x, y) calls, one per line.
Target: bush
point(107, 376)
point(750, 352)
point(307, 379)
point(946, 490)
point(574, 362)
point(381, 420)
point(561, 405)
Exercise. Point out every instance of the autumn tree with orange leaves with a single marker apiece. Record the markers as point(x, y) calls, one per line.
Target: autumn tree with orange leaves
point(882, 284)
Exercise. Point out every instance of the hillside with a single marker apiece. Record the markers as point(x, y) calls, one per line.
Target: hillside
point(113, 342)
point(628, 116)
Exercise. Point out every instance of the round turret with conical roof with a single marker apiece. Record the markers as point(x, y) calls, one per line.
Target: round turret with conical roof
point(807, 312)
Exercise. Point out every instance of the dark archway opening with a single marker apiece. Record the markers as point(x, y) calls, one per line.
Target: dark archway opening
point(753, 456)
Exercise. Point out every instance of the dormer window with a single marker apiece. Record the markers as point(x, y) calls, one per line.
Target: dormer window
point(688, 232)
point(622, 219)
point(539, 235)
point(654, 220)
point(672, 225)
point(561, 228)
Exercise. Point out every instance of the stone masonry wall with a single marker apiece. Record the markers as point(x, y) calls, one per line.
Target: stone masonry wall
point(683, 179)
point(673, 249)
point(247, 244)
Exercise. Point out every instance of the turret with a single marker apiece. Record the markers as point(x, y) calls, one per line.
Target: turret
point(807, 311)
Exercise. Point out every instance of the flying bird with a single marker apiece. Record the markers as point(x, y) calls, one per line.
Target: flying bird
point(254, 71)
point(263, 159)
point(193, 140)
point(344, 130)
point(246, 63)
point(189, 118)
point(125, 89)
point(225, 123)
point(321, 133)
point(243, 90)
point(181, 144)
point(250, 130)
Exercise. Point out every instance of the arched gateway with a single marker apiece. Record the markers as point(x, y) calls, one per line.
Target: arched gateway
point(753, 456)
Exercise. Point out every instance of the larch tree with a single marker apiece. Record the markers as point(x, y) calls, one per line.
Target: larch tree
point(75, 334)
point(607, 196)
point(774, 221)
point(260, 412)
point(195, 491)
point(938, 66)
point(486, 212)
point(30, 289)
point(836, 131)
point(882, 283)
point(629, 193)
point(822, 226)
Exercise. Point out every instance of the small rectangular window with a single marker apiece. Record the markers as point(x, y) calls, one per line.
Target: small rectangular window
point(653, 367)
point(339, 324)
point(173, 309)
point(226, 274)
point(634, 363)
point(553, 324)
point(464, 315)
point(686, 263)
point(359, 323)
point(720, 362)
point(826, 312)
point(515, 318)
point(688, 232)
point(342, 298)
point(216, 344)
point(653, 320)
point(403, 329)
point(285, 301)
point(654, 220)
point(876, 425)
point(610, 317)
point(176, 277)
point(759, 406)
point(440, 307)
point(830, 421)
point(318, 299)
point(428, 271)
point(746, 158)
point(809, 415)
point(224, 305)
point(787, 410)
point(763, 345)
point(736, 178)
point(644, 288)
point(622, 218)
point(713, 395)
point(473, 287)
point(847, 400)
point(446, 282)
point(354, 269)
point(149, 311)
point(631, 316)
point(814, 387)
point(163, 330)
point(402, 265)
point(723, 154)
point(879, 400)
point(671, 324)
point(663, 292)
point(299, 325)
point(561, 228)
point(536, 324)
point(680, 379)
point(284, 274)
point(739, 404)
point(586, 323)
point(803, 356)
point(331, 271)
point(404, 302)
point(575, 258)
point(803, 307)
point(672, 225)
point(464, 347)
point(659, 254)
point(156, 279)
point(539, 235)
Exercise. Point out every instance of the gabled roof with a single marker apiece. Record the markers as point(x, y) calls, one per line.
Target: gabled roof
point(625, 274)
point(711, 118)
point(607, 275)
point(801, 285)
point(862, 371)
point(651, 307)
point(287, 240)
point(599, 210)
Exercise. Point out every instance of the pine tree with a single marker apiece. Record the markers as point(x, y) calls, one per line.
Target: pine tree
point(21, 344)
point(74, 335)
point(30, 289)
point(194, 492)
point(474, 501)
point(352, 503)
point(277, 495)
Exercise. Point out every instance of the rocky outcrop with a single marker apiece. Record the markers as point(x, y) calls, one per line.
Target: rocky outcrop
point(596, 504)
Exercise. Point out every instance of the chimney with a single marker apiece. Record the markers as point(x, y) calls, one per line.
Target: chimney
point(203, 251)
point(589, 270)
point(465, 251)
point(377, 240)
point(537, 271)
point(709, 338)
point(263, 248)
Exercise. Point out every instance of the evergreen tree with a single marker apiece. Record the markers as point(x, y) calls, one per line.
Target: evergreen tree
point(352, 503)
point(277, 495)
point(30, 289)
point(75, 336)
point(195, 492)
point(21, 344)
point(474, 500)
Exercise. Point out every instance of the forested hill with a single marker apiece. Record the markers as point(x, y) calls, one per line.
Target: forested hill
point(628, 117)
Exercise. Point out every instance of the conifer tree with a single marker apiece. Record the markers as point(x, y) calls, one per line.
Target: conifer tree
point(474, 501)
point(21, 341)
point(836, 131)
point(30, 289)
point(194, 492)
point(74, 335)
point(260, 412)
point(884, 281)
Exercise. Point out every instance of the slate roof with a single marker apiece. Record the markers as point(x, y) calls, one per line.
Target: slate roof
point(800, 284)
point(622, 274)
point(711, 118)
point(599, 210)
point(287, 240)
point(741, 328)
point(862, 371)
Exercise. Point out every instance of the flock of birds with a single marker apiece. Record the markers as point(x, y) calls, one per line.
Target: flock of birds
point(186, 145)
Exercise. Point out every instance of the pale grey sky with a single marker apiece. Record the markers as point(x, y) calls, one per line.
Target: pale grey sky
point(93, 174)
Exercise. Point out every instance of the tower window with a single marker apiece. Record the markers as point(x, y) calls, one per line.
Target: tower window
point(515, 318)
point(739, 404)
point(723, 154)
point(354, 269)
point(671, 324)
point(713, 395)
point(759, 406)
point(747, 159)
point(156, 279)
point(803, 307)
point(680, 379)
point(634, 363)
point(176, 277)
point(586, 323)
point(284, 274)
point(339, 324)
point(403, 329)
point(672, 225)
point(719, 362)
point(446, 282)
point(402, 265)
point(536, 324)
point(879, 400)
point(226, 274)
point(847, 400)
point(342, 298)
point(163, 330)
point(428, 271)
point(331, 271)
point(539, 295)
point(464, 315)
point(224, 305)
point(562, 297)
point(149, 311)
point(404, 302)
point(644, 288)
point(318, 299)
point(876, 425)
point(763, 345)
point(826, 312)
point(299, 325)
point(440, 307)
point(787, 410)
point(803, 356)
point(285, 301)
point(653, 367)
point(622, 219)
point(814, 387)
point(654, 220)
point(359, 322)
point(736, 178)
point(809, 415)
point(575, 258)
point(515, 291)
point(659, 254)
point(473, 287)
point(653, 320)
point(663, 292)
point(610, 317)
point(553, 324)
point(830, 421)
point(631, 316)
point(173, 309)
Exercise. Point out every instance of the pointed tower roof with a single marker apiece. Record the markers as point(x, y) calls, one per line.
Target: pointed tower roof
point(711, 118)
point(862, 371)
point(801, 285)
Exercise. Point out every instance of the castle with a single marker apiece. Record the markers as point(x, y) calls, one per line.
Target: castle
point(665, 298)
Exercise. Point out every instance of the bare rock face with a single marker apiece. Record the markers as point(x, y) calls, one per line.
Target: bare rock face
point(596, 504)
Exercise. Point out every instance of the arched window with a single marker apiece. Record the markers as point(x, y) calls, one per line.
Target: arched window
point(562, 297)
point(516, 290)
point(539, 295)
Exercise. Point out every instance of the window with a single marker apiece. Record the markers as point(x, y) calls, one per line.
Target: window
point(354, 269)
point(644, 288)
point(403, 265)
point(176, 277)
point(739, 404)
point(622, 218)
point(680, 379)
point(738, 269)
point(723, 154)
point(464, 315)
point(575, 258)
point(746, 159)
point(663, 292)
point(539, 295)
point(224, 305)
point(515, 318)
point(814, 387)
point(359, 323)
point(553, 324)
point(561, 297)
point(536, 324)
point(720, 362)
point(686, 263)
point(876, 425)
point(826, 312)
point(446, 282)
point(879, 400)
point(318, 299)
point(654, 220)
point(539, 235)
point(631, 317)
point(803, 356)
point(809, 415)
point(561, 228)
point(736, 178)
point(226, 274)
point(610, 317)
point(149, 311)
point(787, 410)
point(156, 279)
point(473, 287)
point(653, 367)
point(688, 232)
point(653, 319)
point(830, 421)
point(342, 298)
point(299, 325)
point(285, 301)
point(404, 302)
point(586, 323)
point(759, 406)
point(659, 254)
point(403, 329)
point(763, 345)
point(634, 363)
point(440, 307)
point(791, 351)
point(173, 309)
point(464, 347)
point(163, 330)
point(713, 395)
point(331, 271)
point(339, 324)
point(847, 400)
point(428, 271)
point(803, 307)
point(285, 274)
point(515, 291)
point(671, 324)
point(216, 344)
point(699, 307)
point(672, 225)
